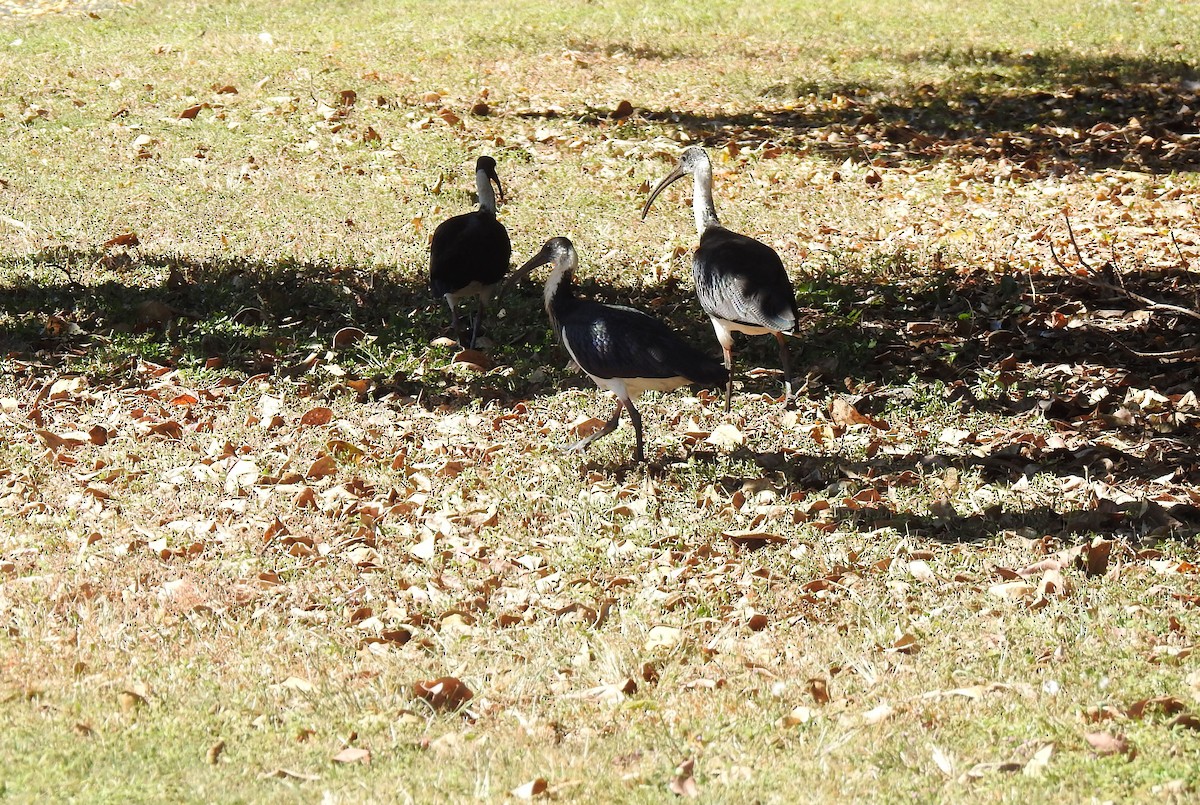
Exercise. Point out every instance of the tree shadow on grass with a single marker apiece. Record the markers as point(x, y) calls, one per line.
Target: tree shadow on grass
point(68, 310)
point(991, 339)
point(843, 483)
point(955, 334)
point(989, 343)
point(1139, 520)
point(1049, 112)
point(954, 330)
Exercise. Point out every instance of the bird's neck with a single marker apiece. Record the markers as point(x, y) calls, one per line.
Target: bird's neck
point(558, 295)
point(483, 189)
point(702, 200)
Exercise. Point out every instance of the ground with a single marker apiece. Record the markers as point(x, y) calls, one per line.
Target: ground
point(266, 534)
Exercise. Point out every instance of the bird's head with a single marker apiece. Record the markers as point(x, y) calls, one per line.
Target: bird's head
point(558, 251)
point(694, 160)
point(485, 171)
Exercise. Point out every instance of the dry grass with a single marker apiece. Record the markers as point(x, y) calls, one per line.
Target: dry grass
point(218, 531)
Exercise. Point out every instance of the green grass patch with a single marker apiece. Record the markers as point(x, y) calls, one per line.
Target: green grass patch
point(232, 541)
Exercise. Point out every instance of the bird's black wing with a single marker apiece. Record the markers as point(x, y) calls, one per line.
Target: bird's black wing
point(609, 341)
point(468, 248)
point(743, 280)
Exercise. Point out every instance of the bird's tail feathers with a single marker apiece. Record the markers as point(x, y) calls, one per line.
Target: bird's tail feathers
point(708, 373)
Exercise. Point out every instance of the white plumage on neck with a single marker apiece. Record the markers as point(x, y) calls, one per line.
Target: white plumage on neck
point(564, 267)
point(483, 189)
point(702, 197)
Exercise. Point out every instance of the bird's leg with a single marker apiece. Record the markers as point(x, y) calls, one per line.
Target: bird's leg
point(608, 428)
point(454, 323)
point(728, 350)
point(787, 368)
point(638, 455)
point(478, 318)
point(725, 339)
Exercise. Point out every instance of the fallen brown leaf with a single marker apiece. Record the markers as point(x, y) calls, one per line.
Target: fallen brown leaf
point(1013, 590)
point(819, 690)
point(842, 412)
point(683, 784)
point(125, 239)
point(921, 571)
point(943, 761)
point(905, 644)
point(317, 416)
point(353, 754)
point(879, 713)
point(321, 468)
point(752, 539)
point(1097, 557)
point(289, 774)
point(799, 715)
point(534, 788)
point(347, 336)
point(726, 437)
point(445, 693)
point(1186, 721)
point(1104, 743)
point(1040, 760)
point(667, 637)
point(472, 359)
point(1053, 585)
point(1168, 705)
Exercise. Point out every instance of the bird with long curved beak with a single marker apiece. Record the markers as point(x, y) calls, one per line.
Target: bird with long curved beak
point(625, 351)
point(741, 282)
point(469, 253)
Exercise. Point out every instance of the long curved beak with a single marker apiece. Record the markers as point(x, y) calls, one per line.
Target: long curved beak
point(539, 259)
point(673, 176)
point(491, 174)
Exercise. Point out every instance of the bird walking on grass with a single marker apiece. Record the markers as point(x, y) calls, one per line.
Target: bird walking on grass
point(625, 351)
point(741, 282)
point(469, 253)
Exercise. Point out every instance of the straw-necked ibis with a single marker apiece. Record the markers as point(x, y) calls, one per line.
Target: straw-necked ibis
point(625, 351)
point(741, 282)
point(469, 253)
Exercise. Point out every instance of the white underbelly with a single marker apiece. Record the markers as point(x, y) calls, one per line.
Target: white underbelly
point(471, 289)
point(725, 330)
point(630, 388)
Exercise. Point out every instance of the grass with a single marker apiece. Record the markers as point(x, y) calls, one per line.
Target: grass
point(187, 562)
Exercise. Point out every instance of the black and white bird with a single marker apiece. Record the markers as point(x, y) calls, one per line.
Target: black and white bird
point(469, 253)
point(741, 282)
point(625, 351)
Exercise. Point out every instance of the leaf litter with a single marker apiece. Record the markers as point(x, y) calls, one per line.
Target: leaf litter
point(1032, 477)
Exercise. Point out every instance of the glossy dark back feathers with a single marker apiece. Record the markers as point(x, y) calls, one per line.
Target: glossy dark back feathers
point(742, 280)
point(468, 248)
point(620, 342)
